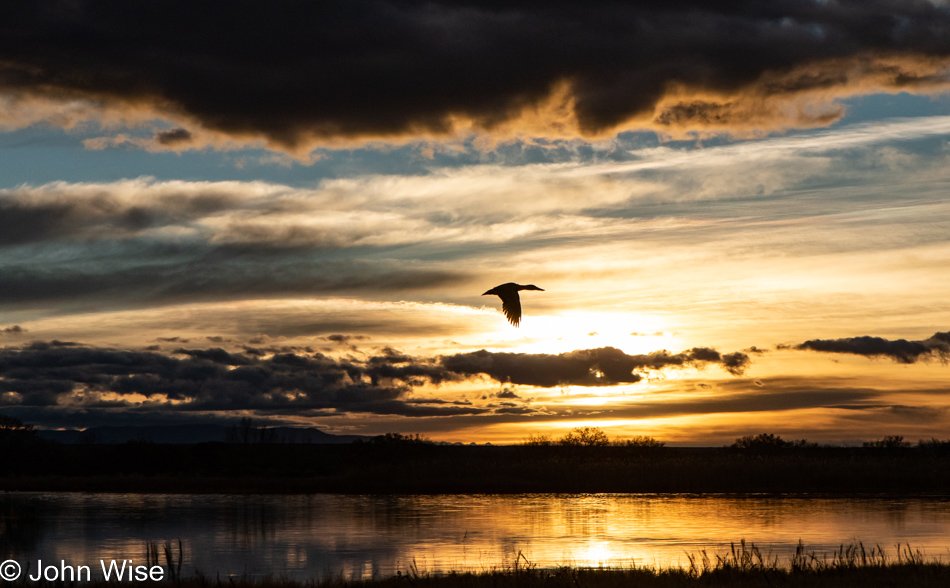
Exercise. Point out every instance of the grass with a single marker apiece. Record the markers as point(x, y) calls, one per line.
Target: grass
point(743, 566)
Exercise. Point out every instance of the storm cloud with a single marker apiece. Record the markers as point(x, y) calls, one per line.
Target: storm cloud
point(900, 350)
point(294, 72)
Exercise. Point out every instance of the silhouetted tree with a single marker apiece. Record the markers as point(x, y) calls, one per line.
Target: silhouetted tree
point(246, 432)
point(399, 439)
point(768, 441)
point(538, 440)
point(241, 432)
point(641, 441)
point(889, 442)
point(266, 435)
point(14, 431)
point(586, 436)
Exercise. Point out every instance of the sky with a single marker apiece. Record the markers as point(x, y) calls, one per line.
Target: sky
point(737, 212)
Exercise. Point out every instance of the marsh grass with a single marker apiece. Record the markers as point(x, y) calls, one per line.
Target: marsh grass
point(742, 566)
point(172, 565)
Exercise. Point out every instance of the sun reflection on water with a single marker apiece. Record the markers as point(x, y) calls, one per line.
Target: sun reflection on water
point(358, 536)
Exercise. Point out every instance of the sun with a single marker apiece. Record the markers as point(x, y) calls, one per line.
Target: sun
point(632, 333)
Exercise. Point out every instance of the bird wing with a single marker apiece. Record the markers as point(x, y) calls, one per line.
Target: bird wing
point(511, 306)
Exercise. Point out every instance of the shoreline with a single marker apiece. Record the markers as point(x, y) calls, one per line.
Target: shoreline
point(268, 486)
point(218, 468)
point(742, 567)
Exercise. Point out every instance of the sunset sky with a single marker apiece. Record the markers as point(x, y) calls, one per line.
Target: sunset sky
point(738, 212)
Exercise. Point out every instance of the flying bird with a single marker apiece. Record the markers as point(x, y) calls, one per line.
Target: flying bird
point(510, 301)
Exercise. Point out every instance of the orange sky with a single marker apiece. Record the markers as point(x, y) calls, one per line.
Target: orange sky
point(760, 247)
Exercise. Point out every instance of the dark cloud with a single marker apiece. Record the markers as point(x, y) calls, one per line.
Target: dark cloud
point(216, 273)
point(29, 215)
point(588, 367)
point(177, 136)
point(14, 330)
point(295, 70)
point(344, 339)
point(51, 374)
point(69, 376)
point(857, 402)
point(900, 350)
point(741, 397)
point(507, 393)
point(215, 355)
point(437, 401)
point(55, 343)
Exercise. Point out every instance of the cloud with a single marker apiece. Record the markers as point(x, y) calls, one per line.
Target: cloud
point(900, 350)
point(173, 137)
point(344, 339)
point(13, 330)
point(222, 278)
point(588, 367)
point(130, 208)
point(134, 243)
point(743, 396)
point(253, 238)
point(507, 393)
point(384, 69)
point(71, 376)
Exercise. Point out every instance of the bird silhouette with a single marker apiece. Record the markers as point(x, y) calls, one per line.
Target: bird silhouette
point(510, 301)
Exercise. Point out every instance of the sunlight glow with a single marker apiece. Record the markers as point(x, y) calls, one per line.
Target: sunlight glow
point(571, 330)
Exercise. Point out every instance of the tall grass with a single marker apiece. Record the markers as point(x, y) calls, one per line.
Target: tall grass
point(172, 565)
point(743, 566)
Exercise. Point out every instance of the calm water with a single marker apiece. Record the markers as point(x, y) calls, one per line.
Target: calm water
point(316, 535)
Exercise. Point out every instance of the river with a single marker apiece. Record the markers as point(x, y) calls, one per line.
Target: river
point(312, 536)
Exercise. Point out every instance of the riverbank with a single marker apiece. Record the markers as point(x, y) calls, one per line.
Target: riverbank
point(926, 575)
point(742, 567)
point(433, 469)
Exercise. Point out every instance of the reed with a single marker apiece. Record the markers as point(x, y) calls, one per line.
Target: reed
point(172, 564)
point(742, 566)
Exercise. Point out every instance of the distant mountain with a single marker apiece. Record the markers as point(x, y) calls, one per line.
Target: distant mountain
point(190, 434)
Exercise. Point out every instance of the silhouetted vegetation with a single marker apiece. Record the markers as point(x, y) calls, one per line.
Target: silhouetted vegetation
point(538, 440)
point(14, 432)
point(889, 442)
point(934, 444)
point(744, 566)
point(399, 439)
point(411, 464)
point(246, 432)
point(641, 441)
point(590, 437)
point(172, 564)
point(586, 436)
point(769, 442)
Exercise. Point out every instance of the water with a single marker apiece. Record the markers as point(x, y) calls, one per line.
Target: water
point(311, 536)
